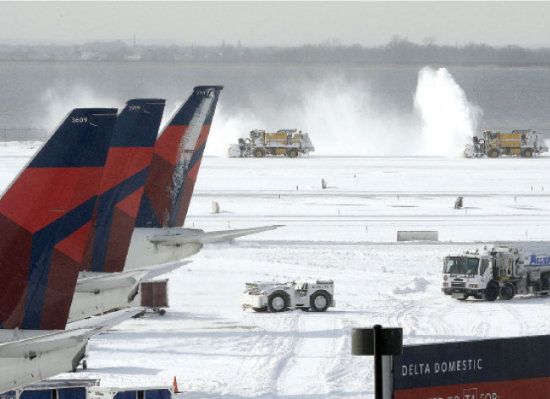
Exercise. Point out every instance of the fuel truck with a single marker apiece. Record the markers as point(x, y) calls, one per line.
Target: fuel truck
point(502, 271)
point(523, 143)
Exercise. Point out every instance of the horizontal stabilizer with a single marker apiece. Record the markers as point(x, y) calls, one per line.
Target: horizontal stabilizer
point(207, 237)
point(106, 321)
point(93, 281)
point(48, 342)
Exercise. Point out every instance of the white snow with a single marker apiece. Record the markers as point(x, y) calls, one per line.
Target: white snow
point(346, 232)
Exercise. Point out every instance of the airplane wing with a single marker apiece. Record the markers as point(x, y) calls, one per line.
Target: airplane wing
point(202, 237)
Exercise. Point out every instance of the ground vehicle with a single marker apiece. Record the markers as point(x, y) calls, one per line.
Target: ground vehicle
point(525, 143)
point(502, 271)
point(288, 142)
point(314, 295)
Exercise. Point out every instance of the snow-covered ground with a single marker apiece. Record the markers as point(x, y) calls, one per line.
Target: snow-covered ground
point(346, 232)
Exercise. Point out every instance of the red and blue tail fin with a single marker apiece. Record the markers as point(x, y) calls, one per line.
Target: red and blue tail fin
point(45, 216)
point(122, 184)
point(176, 160)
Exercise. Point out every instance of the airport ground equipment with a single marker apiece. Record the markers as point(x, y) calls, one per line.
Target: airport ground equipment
point(287, 142)
point(313, 295)
point(524, 143)
point(501, 271)
point(154, 295)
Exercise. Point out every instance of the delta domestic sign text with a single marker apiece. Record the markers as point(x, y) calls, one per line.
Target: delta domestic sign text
point(508, 368)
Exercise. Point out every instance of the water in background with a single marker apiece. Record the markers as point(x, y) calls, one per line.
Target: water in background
point(347, 109)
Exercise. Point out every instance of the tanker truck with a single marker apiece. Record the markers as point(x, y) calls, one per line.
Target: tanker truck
point(502, 271)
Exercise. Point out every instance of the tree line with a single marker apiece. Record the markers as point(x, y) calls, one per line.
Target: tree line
point(396, 52)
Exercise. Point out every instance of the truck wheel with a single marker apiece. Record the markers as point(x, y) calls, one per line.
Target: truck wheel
point(491, 292)
point(293, 153)
point(260, 310)
point(507, 291)
point(527, 153)
point(492, 153)
point(319, 301)
point(258, 153)
point(278, 302)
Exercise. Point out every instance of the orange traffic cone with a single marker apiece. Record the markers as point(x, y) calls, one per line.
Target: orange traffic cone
point(176, 390)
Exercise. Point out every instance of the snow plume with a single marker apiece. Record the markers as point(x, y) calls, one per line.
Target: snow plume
point(227, 127)
point(59, 100)
point(344, 116)
point(449, 120)
point(346, 119)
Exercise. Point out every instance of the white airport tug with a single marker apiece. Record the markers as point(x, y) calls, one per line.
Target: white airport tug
point(313, 295)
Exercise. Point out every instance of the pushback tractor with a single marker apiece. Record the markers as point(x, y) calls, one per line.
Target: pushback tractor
point(312, 295)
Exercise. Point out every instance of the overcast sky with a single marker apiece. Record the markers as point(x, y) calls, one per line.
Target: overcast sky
point(285, 23)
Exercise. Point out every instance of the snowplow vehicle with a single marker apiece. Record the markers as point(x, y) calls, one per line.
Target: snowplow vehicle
point(502, 271)
point(523, 143)
point(287, 142)
point(313, 295)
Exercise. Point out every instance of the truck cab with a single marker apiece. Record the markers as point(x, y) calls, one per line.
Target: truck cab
point(466, 275)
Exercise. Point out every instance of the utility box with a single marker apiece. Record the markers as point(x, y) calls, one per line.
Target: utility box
point(154, 294)
point(417, 236)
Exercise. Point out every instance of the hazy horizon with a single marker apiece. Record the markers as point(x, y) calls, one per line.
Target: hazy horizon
point(285, 23)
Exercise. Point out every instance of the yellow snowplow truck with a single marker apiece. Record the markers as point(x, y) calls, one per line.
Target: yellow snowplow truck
point(287, 142)
point(524, 143)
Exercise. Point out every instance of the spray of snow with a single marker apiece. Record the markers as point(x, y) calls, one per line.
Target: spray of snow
point(227, 127)
point(60, 99)
point(449, 120)
point(346, 117)
point(342, 116)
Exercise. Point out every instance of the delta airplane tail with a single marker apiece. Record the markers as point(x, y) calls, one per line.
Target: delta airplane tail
point(122, 184)
point(176, 160)
point(45, 217)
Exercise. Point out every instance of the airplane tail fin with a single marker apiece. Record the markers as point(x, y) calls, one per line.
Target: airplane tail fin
point(45, 216)
point(176, 161)
point(122, 184)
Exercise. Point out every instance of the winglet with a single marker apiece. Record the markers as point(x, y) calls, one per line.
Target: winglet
point(176, 161)
point(45, 216)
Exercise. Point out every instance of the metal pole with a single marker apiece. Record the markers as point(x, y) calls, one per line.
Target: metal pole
point(377, 361)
